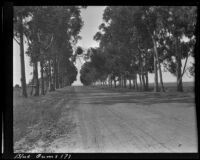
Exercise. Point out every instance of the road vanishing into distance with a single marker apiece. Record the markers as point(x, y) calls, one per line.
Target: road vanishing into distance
point(126, 121)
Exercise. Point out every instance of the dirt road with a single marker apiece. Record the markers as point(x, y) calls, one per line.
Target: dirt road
point(107, 121)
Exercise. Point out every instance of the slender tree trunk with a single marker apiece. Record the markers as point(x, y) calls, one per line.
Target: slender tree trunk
point(56, 73)
point(42, 77)
point(36, 79)
point(136, 85)
point(159, 67)
point(140, 81)
point(147, 80)
point(41, 65)
point(141, 75)
point(64, 81)
point(161, 80)
point(143, 82)
point(145, 76)
point(155, 68)
point(23, 76)
point(130, 83)
point(178, 67)
point(133, 80)
point(124, 82)
point(32, 88)
point(50, 77)
point(47, 82)
point(61, 80)
point(115, 83)
point(120, 79)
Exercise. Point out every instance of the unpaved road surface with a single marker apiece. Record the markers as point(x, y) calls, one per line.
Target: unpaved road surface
point(134, 122)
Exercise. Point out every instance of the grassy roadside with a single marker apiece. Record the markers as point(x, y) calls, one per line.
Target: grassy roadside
point(169, 87)
point(38, 118)
point(150, 97)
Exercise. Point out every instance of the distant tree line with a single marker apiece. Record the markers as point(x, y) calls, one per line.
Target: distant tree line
point(50, 33)
point(137, 40)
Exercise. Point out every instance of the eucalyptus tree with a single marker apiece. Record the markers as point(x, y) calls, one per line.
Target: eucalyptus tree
point(88, 73)
point(69, 75)
point(126, 33)
point(68, 26)
point(53, 30)
point(171, 24)
point(152, 18)
point(20, 18)
point(37, 33)
point(181, 22)
point(144, 37)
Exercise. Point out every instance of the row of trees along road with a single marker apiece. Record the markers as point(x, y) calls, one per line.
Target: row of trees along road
point(137, 40)
point(50, 33)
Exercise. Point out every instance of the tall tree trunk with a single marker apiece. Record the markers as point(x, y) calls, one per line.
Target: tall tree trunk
point(147, 80)
point(155, 68)
point(130, 83)
point(141, 75)
point(41, 65)
point(115, 83)
point(136, 84)
point(56, 73)
point(60, 80)
point(63, 80)
point(178, 67)
point(42, 77)
point(32, 88)
point(143, 82)
point(50, 77)
point(124, 81)
point(161, 80)
point(23, 76)
point(140, 82)
point(47, 82)
point(36, 79)
point(159, 67)
point(121, 83)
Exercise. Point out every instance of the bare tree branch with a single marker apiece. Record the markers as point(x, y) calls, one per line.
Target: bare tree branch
point(52, 38)
point(16, 40)
point(28, 40)
point(184, 66)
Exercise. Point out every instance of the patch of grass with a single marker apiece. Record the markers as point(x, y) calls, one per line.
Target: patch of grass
point(148, 97)
point(38, 118)
point(169, 87)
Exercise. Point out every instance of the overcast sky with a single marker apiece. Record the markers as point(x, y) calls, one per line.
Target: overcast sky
point(92, 17)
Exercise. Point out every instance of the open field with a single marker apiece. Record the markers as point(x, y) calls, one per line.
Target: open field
point(91, 119)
